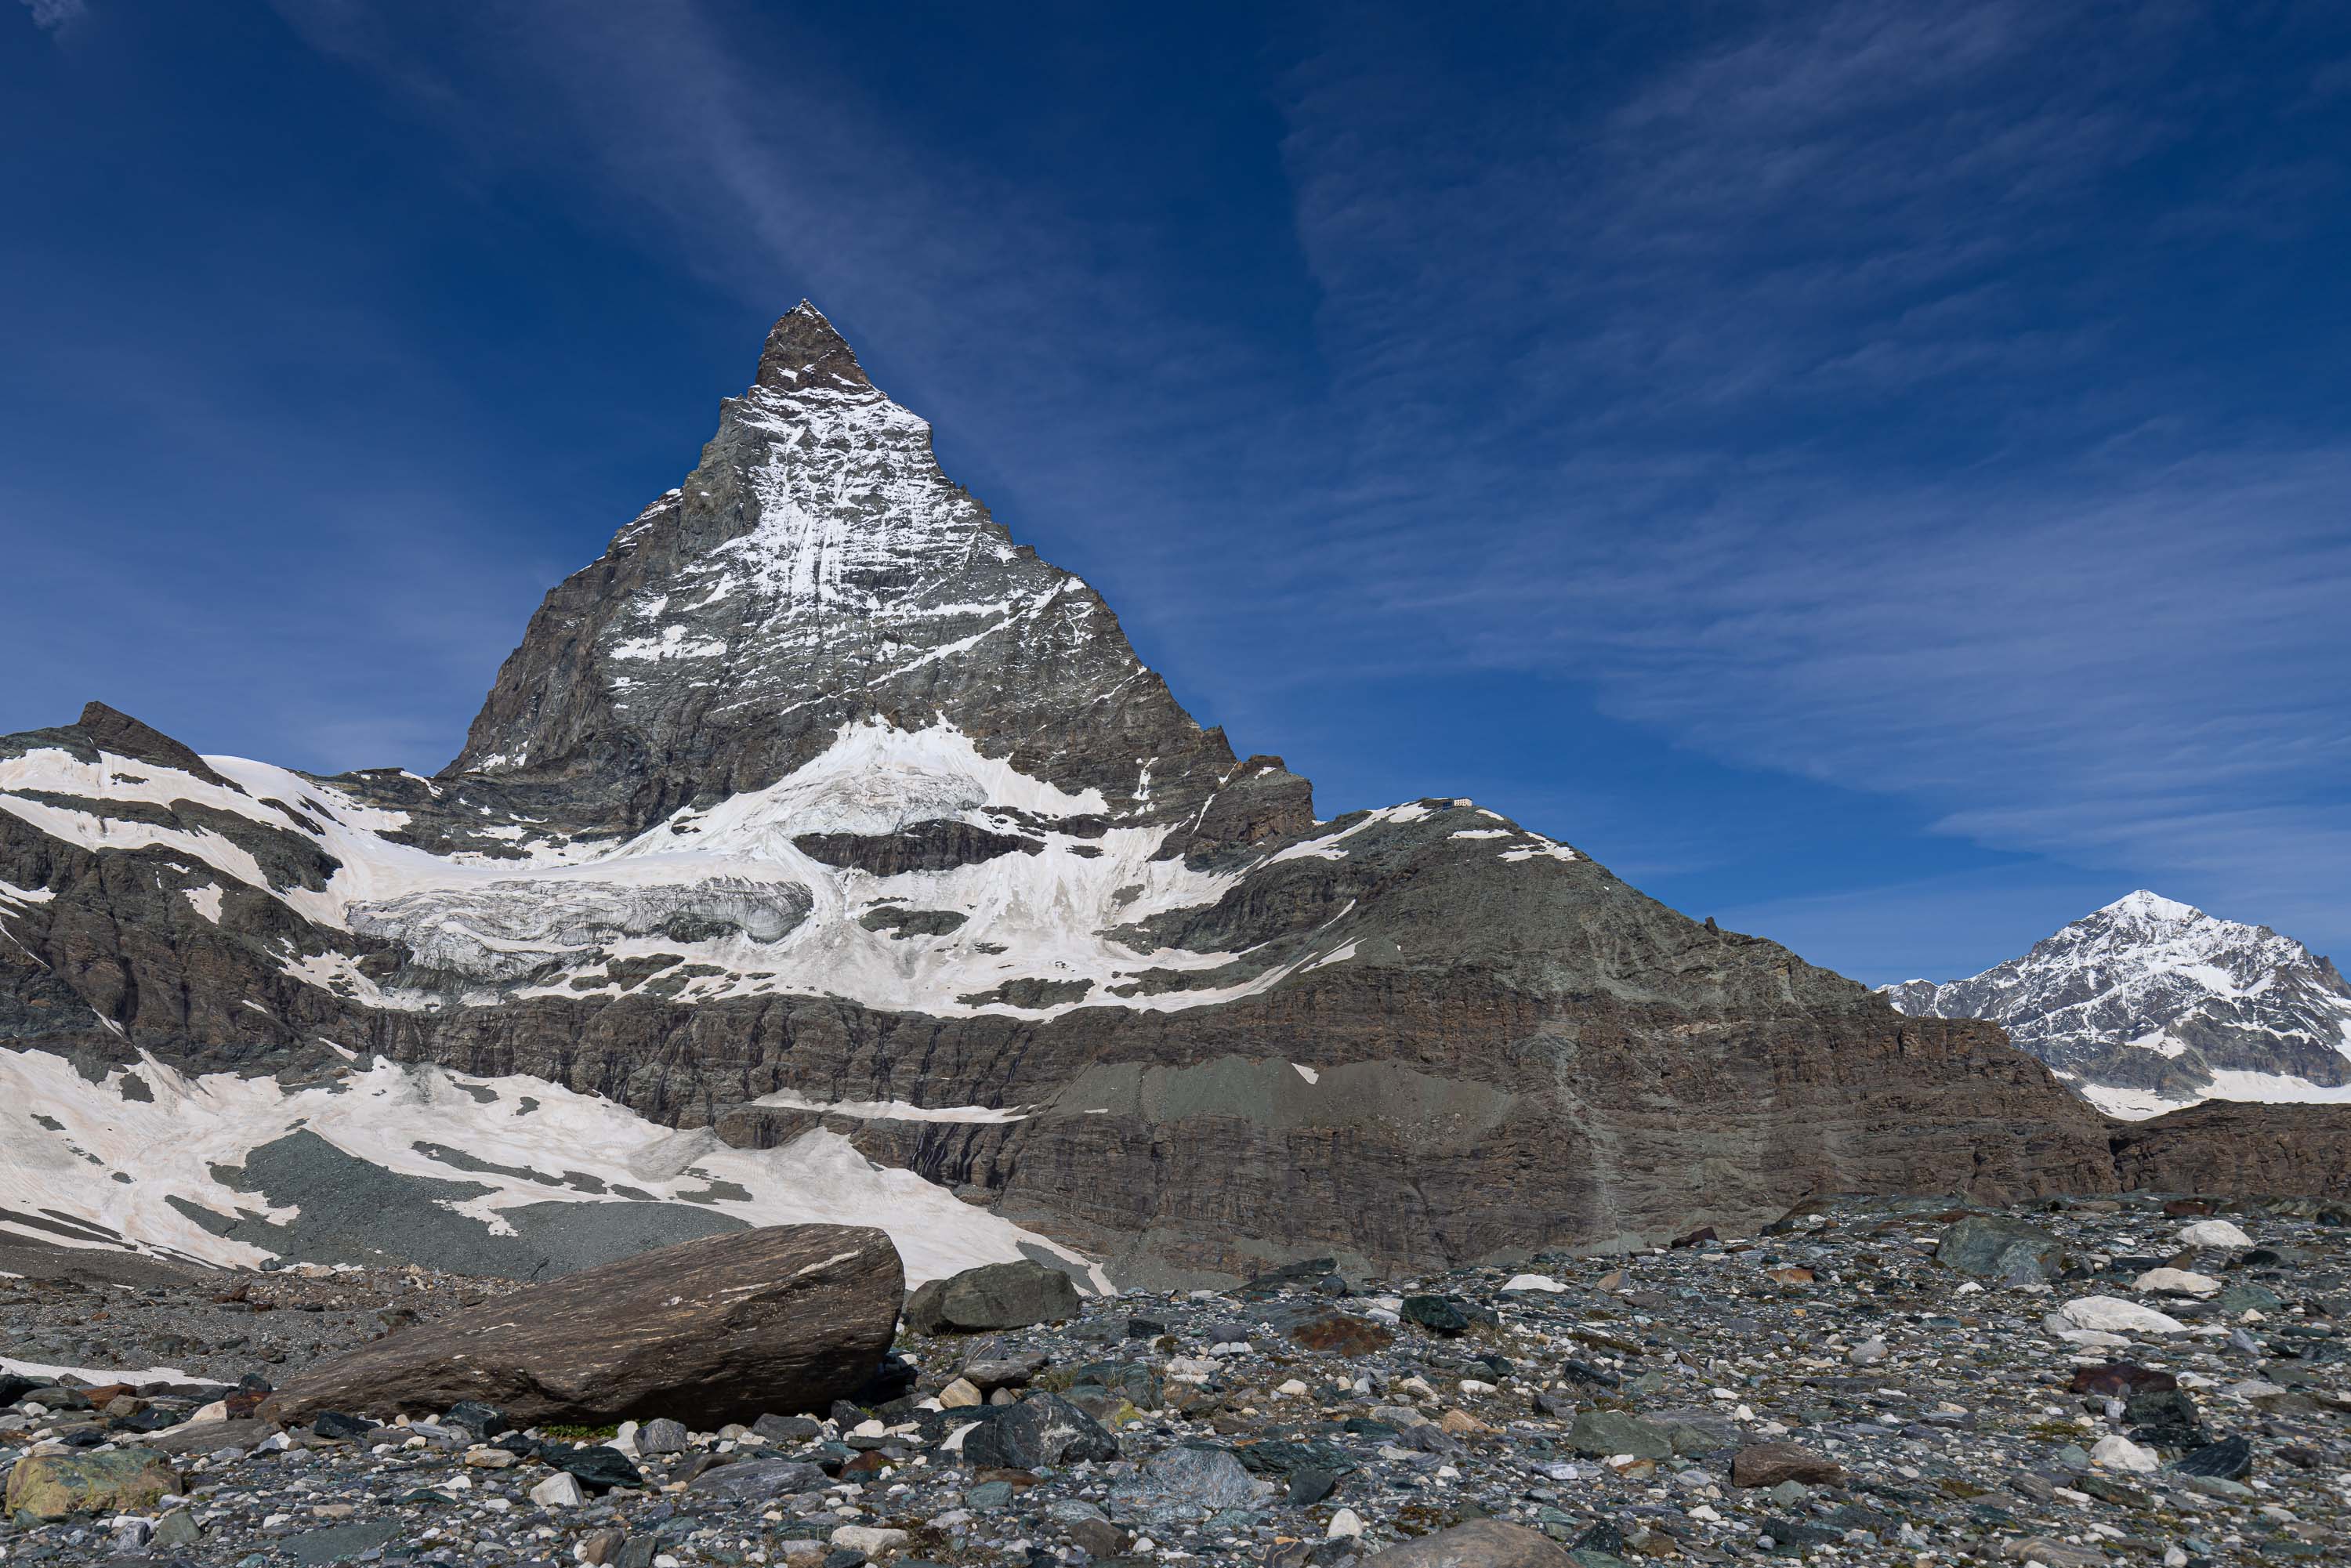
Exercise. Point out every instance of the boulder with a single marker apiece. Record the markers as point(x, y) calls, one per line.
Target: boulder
point(1769, 1464)
point(2229, 1460)
point(1599, 1433)
point(993, 1296)
point(2214, 1233)
point(2117, 1452)
point(1014, 1370)
point(1437, 1314)
point(1042, 1429)
point(1184, 1477)
point(759, 1479)
point(1993, 1247)
point(2111, 1314)
point(1480, 1543)
point(2177, 1282)
point(206, 1437)
point(721, 1329)
point(56, 1485)
point(1342, 1333)
point(2119, 1380)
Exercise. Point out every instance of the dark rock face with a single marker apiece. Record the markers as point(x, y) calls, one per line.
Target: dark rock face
point(994, 1296)
point(923, 846)
point(727, 1328)
point(817, 568)
point(2221, 1147)
point(1422, 1035)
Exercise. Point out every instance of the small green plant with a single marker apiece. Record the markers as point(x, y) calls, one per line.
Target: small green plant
point(581, 1434)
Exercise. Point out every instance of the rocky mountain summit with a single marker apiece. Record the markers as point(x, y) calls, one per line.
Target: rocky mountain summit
point(821, 854)
point(2147, 1004)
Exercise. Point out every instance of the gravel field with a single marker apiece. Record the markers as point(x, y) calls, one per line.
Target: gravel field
point(1870, 1382)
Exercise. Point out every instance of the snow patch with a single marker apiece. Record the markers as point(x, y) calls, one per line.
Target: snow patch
point(389, 1115)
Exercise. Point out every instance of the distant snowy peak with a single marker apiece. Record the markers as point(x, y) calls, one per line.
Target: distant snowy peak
point(818, 568)
point(2149, 1003)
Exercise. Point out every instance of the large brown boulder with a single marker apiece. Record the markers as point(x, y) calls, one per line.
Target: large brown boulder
point(727, 1328)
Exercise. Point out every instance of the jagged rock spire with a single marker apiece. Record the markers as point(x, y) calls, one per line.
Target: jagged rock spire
point(804, 351)
point(818, 568)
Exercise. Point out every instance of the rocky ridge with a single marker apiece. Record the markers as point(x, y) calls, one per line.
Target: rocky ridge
point(2149, 1004)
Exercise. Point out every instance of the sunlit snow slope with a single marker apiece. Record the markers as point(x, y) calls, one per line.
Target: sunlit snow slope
point(2149, 1004)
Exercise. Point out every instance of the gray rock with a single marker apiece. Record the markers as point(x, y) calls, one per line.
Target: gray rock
point(342, 1543)
point(1186, 1480)
point(661, 1436)
point(206, 1437)
point(1041, 1429)
point(1601, 1433)
point(1480, 1543)
point(994, 1296)
point(177, 1528)
point(1994, 1247)
point(760, 1478)
point(1005, 1370)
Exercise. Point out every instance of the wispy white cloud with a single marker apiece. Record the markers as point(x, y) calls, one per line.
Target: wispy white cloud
point(1781, 391)
point(2097, 622)
point(53, 15)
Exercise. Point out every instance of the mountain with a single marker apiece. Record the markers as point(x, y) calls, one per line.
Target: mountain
point(2147, 1005)
point(821, 853)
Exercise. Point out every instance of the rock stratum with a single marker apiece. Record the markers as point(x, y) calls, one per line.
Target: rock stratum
point(823, 855)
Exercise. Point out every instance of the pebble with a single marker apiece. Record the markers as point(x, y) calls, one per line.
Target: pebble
point(1686, 1405)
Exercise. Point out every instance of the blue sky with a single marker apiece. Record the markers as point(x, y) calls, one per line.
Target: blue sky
point(1877, 474)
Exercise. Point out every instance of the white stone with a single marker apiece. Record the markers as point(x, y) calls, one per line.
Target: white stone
point(2115, 1315)
point(1292, 1389)
point(2117, 1452)
point(1344, 1525)
point(2176, 1282)
point(1534, 1282)
point(871, 1539)
point(961, 1394)
point(2214, 1233)
point(561, 1489)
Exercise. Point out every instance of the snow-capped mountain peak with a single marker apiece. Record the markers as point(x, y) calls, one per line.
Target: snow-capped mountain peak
point(817, 568)
point(2148, 1003)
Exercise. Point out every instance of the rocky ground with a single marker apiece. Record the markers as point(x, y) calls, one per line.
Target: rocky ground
point(1871, 1382)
